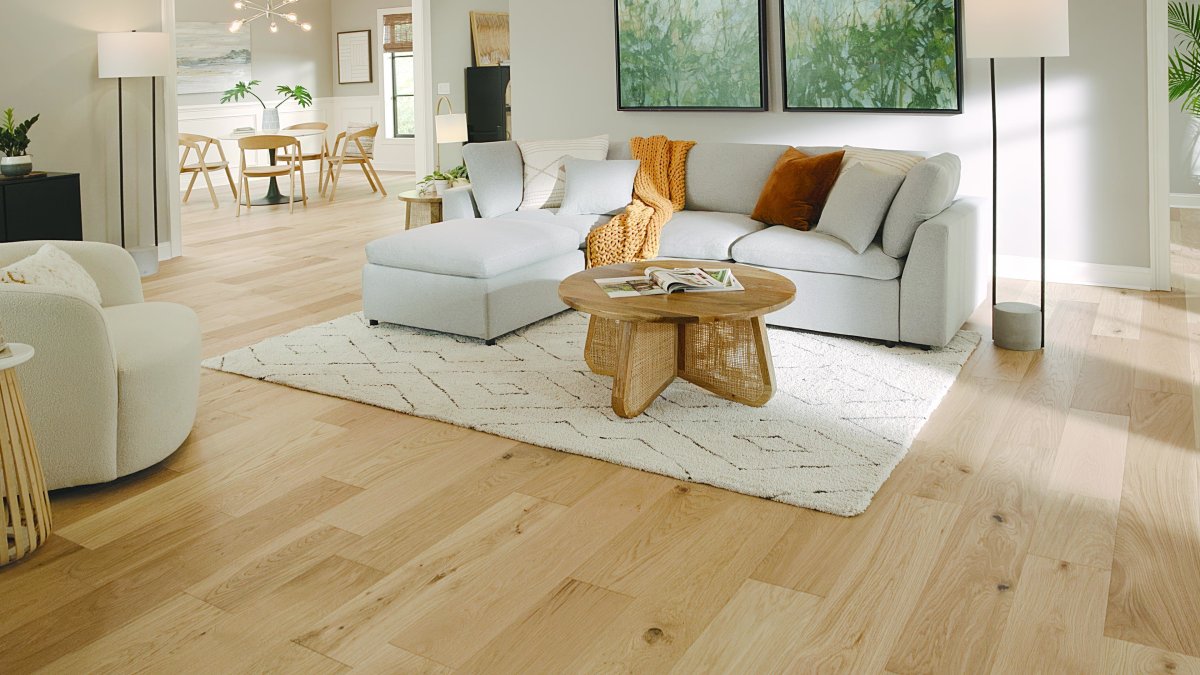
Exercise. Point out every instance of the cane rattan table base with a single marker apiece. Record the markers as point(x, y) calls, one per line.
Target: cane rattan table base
point(731, 359)
point(24, 502)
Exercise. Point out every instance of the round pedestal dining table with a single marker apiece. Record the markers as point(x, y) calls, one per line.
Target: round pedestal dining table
point(273, 195)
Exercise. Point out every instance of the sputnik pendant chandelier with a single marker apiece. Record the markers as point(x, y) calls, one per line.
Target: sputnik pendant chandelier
point(267, 9)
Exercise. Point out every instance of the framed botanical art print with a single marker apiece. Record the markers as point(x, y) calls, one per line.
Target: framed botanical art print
point(691, 55)
point(872, 55)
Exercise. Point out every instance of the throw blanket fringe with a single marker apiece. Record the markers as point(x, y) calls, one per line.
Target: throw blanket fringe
point(658, 192)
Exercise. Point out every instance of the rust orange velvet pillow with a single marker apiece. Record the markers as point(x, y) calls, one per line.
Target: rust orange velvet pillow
point(797, 189)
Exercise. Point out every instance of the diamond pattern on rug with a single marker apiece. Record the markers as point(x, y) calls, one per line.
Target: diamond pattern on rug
point(845, 412)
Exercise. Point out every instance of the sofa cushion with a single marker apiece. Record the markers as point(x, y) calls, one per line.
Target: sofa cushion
point(729, 177)
point(580, 224)
point(785, 248)
point(929, 189)
point(858, 204)
point(704, 235)
point(885, 161)
point(477, 248)
point(544, 182)
point(598, 186)
point(797, 189)
point(495, 176)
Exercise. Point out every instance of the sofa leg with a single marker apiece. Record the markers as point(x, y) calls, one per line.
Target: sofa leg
point(372, 322)
point(890, 345)
point(490, 343)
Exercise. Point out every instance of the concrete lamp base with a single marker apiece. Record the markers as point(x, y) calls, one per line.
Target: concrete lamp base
point(1017, 326)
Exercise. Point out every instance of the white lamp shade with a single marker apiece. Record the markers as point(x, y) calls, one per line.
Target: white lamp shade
point(134, 54)
point(1005, 29)
point(451, 128)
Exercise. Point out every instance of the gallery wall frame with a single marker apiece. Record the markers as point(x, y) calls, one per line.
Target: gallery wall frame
point(653, 103)
point(950, 105)
point(355, 60)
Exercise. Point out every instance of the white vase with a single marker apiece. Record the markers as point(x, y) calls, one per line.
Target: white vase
point(270, 119)
point(20, 165)
point(440, 186)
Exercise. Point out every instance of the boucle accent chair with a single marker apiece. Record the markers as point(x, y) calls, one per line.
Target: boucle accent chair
point(113, 388)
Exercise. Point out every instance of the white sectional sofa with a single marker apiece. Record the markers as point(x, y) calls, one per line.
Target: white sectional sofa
point(490, 269)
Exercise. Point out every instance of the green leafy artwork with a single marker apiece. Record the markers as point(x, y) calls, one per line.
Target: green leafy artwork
point(871, 54)
point(690, 54)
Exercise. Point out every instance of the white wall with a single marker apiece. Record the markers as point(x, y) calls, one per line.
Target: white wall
point(56, 76)
point(564, 84)
point(289, 57)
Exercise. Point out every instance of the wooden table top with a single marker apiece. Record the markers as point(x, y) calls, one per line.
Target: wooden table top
point(416, 196)
point(765, 292)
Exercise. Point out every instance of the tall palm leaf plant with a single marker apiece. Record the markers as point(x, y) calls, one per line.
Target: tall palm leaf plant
point(1183, 65)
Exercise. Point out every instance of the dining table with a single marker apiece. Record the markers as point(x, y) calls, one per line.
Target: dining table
point(273, 195)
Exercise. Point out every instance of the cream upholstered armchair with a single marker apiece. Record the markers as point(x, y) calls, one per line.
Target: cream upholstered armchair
point(112, 389)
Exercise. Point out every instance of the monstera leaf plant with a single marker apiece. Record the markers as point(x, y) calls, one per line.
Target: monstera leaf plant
point(241, 90)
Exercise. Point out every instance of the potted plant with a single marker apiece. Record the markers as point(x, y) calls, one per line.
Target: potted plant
point(14, 143)
point(439, 181)
point(458, 176)
point(1183, 65)
point(270, 118)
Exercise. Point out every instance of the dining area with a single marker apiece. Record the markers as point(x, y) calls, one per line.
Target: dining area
point(277, 162)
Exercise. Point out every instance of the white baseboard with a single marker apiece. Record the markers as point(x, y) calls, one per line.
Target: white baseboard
point(1071, 272)
point(1185, 201)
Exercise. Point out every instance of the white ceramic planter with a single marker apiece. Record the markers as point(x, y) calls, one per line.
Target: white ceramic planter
point(270, 119)
point(16, 166)
point(440, 186)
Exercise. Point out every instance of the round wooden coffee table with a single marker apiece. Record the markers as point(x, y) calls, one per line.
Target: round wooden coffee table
point(717, 341)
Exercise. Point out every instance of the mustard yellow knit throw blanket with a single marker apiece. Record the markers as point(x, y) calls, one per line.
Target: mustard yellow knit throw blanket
point(658, 192)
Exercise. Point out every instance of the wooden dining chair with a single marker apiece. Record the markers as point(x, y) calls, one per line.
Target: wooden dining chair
point(200, 144)
point(321, 155)
point(354, 147)
point(290, 167)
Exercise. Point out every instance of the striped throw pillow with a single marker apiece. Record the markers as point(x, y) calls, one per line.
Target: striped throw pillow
point(884, 161)
point(545, 179)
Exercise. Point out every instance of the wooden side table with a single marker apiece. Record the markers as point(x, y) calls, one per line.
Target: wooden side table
point(25, 502)
point(415, 197)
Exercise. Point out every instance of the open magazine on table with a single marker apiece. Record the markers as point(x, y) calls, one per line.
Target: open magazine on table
point(663, 281)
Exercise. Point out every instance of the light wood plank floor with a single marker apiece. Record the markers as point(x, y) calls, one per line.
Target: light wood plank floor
point(1048, 519)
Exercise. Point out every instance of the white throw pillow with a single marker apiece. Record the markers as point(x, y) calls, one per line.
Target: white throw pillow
point(858, 204)
point(545, 184)
point(51, 267)
point(598, 187)
point(883, 161)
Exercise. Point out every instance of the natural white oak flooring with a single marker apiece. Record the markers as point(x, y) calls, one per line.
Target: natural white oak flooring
point(1047, 520)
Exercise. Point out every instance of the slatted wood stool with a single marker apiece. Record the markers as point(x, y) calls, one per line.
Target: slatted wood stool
point(717, 341)
point(23, 497)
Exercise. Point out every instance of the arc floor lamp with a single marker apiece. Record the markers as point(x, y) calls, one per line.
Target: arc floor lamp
point(136, 54)
point(1005, 29)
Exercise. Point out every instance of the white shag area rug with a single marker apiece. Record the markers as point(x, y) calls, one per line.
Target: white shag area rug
point(844, 414)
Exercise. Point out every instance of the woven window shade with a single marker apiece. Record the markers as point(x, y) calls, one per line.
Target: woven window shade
point(399, 33)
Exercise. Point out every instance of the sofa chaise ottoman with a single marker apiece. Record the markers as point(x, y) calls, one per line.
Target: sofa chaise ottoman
point(480, 278)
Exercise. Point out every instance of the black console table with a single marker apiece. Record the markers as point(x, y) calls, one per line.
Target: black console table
point(41, 206)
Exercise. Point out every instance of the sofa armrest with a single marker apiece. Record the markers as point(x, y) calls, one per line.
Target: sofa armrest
point(112, 268)
point(943, 279)
point(70, 385)
point(459, 203)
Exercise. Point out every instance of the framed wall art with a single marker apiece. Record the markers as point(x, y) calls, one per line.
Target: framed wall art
point(691, 55)
point(489, 38)
point(354, 57)
point(210, 58)
point(872, 55)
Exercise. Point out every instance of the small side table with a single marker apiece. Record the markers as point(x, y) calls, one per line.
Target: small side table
point(415, 197)
point(26, 503)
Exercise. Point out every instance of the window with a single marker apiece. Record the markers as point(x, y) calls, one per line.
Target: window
point(398, 46)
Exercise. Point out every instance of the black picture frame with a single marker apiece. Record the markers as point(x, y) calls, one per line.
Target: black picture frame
point(763, 82)
point(959, 60)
